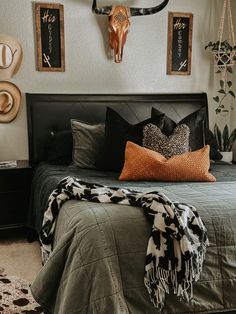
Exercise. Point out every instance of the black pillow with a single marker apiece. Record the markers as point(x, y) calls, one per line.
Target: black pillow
point(117, 132)
point(60, 148)
point(195, 121)
point(214, 148)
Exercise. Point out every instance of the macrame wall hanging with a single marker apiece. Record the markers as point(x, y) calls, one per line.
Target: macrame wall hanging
point(224, 53)
point(224, 56)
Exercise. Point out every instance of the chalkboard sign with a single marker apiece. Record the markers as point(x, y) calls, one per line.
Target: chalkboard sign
point(50, 36)
point(180, 26)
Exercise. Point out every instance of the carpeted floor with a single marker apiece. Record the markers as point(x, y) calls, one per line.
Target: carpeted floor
point(15, 296)
point(20, 262)
point(20, 258)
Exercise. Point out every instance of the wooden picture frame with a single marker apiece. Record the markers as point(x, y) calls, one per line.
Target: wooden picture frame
point(179, 48)
point(49, 18)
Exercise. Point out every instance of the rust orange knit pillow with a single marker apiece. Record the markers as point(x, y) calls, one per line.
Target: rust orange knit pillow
point(144, 164)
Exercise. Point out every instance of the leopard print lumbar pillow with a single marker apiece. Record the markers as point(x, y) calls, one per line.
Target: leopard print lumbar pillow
point(175, 144)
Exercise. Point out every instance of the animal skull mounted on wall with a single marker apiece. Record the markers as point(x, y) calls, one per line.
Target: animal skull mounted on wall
point(118, 18)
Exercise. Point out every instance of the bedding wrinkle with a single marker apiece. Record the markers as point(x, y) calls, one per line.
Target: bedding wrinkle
point(104, 246)
point(220, 264)
point(73, 265)
point(70, 264)
point(116, 281)
point(123, 303)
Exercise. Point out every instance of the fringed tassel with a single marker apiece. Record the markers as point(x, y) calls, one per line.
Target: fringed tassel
point(159, 281)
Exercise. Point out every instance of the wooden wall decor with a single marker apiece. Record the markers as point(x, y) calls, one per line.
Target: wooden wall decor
point(179, 50)
point(49, 19)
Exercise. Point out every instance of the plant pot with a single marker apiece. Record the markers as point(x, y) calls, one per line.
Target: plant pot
point(227, 156)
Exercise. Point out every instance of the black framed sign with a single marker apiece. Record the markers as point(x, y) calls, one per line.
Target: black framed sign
point(180, 28)
point(49, 19)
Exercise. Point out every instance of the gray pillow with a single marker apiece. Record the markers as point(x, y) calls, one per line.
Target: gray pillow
point(88, 139)
point(175, 144)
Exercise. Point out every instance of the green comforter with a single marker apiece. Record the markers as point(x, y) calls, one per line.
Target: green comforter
point(97, 265)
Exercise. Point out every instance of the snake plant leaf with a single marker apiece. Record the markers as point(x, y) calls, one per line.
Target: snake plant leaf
point(217, 134)
point(232, 93)
point(232, 138)
point(225, 138)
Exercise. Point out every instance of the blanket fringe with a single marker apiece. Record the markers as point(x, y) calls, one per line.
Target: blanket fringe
point(159, 281)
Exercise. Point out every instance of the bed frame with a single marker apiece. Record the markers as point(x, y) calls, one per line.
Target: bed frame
point(50, 113)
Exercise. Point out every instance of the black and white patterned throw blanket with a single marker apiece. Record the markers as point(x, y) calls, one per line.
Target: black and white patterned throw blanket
point(178, 241)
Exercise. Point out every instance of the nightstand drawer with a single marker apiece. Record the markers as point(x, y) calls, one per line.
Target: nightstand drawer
point(15, 186)
point(14, 208)
point(13, 180)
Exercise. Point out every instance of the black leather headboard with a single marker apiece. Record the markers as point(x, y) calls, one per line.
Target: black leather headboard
point(49, 113)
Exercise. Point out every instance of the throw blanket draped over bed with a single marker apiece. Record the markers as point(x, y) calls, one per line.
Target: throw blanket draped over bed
point(176, 247)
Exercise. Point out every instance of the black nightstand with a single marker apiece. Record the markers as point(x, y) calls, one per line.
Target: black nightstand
point(15, 184)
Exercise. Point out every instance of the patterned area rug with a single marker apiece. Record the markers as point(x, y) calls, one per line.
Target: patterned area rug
point(15, 296)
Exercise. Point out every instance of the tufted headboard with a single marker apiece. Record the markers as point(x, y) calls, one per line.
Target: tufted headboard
point(47, 113)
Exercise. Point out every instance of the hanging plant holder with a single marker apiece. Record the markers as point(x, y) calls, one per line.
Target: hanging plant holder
point(224, 52)
point(224, 59)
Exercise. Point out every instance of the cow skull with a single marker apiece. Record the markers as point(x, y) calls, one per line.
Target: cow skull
point(118, 18)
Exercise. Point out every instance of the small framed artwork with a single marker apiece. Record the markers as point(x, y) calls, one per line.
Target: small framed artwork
point(179, 50)
point(49, 18)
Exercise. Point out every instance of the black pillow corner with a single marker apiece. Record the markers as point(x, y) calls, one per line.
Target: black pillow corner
point(60, 148)
point(117, 132)
point(167, 123)
point(195, 121)
point(214, 148)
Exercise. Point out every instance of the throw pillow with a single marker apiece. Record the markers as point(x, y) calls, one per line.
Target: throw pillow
point(87, 142)
point(175, 144)
point(214, 148)
point(117, 132)
point(145, 164)
point(195, 121)
point(60, 148)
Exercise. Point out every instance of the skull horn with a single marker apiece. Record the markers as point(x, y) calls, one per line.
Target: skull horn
point(103, 10)
point(148, 11)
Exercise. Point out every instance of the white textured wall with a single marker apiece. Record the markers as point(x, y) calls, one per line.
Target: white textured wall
point(88, 70)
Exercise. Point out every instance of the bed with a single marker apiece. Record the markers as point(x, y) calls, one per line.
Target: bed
point(97, 263)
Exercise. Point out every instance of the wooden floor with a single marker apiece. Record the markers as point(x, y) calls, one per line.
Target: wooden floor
point(19, 257)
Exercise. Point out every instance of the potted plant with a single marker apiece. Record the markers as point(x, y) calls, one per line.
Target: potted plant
point(224, 53)
point(225, 141)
